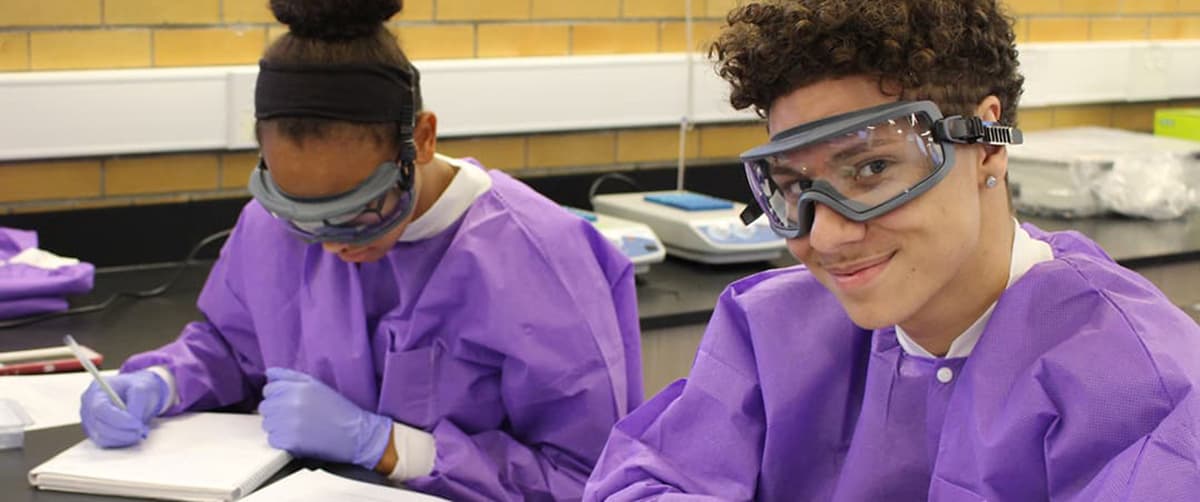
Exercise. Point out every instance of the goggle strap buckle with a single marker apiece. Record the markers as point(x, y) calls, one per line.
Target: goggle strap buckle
point(973, 130)
point(751, 213)
point(406, 181)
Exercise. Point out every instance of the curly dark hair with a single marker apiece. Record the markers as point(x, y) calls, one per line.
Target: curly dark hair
point(952, 52)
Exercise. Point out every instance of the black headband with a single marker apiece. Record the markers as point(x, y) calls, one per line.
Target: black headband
point(352, 92)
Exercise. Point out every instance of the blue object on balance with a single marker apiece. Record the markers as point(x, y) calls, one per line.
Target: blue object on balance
point(688, 201)
point(587, 215)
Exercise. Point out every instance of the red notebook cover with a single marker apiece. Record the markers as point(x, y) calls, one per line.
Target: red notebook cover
point(31, 362)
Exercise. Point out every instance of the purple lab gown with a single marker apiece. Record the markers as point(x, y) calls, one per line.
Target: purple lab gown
point(511, 336)
point(1083, 387)
point(27, 290)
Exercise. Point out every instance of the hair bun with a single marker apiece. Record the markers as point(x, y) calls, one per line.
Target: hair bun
point(334, 19)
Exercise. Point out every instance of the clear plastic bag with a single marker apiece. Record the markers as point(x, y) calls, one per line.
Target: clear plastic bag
point(1081, 172)
point(1150, 186)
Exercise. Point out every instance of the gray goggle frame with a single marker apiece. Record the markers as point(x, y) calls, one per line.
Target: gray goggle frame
point(947, 132)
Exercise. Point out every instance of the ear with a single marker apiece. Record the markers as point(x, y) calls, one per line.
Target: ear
point(994, 161)
point(425, 137)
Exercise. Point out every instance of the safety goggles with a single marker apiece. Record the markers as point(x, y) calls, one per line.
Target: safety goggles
point(861, 164)
point(368, 211)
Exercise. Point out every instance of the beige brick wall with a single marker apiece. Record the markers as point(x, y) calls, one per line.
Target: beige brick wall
point(1075, 20)
point(40, 35)
point(93, 34)
point(86, 34)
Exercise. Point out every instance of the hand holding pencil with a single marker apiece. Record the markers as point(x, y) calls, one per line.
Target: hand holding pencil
point(116, 412)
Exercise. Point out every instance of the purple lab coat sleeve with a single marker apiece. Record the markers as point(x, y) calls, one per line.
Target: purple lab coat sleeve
point(216, 362)
point(653, 452)
point(1145, 391)
point(559, 408)
point(1163, 465)
point(624, 296)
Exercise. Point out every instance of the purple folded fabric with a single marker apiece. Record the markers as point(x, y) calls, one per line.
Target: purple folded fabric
point(12, 309)
point(33, 281)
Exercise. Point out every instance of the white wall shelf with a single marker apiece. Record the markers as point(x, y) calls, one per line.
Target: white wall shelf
point(83, 113)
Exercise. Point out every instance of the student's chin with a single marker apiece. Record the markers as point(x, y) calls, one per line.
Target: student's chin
point(363, 255)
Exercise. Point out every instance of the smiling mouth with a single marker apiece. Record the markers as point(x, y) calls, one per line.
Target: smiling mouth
point(859, 274)
point(853, 268)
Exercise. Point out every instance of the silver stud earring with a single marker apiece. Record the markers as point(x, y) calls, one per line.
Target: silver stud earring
point(991, 181)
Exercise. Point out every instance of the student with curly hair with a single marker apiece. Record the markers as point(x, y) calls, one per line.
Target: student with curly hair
point(385, 306)
point(929, 347)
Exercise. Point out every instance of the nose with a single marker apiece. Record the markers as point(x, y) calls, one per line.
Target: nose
point(831, 230)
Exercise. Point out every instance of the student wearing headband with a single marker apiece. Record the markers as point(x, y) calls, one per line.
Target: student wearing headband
point(929, 347)
point(383, 305)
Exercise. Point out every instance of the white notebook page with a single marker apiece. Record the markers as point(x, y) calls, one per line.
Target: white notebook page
point(51, 400)
point(220, 453)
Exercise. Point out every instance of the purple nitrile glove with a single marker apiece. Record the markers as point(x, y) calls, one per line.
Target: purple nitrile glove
point(144, 394)
point(308, 419)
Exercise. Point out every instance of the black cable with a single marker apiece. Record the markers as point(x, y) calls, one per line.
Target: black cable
point(611, 176)
point(137, 295)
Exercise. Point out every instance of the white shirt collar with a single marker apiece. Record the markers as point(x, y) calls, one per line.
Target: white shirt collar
point(467, 185)
point(1026, 252)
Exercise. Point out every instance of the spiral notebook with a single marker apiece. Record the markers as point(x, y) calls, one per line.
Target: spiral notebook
point(191, 457)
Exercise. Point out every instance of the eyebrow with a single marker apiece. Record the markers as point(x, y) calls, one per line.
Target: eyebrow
point(851, 152)
point(859, 149)
point(780, 170)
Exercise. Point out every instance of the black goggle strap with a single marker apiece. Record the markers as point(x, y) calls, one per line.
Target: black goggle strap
point(407, 167)
point(753, 211)
point(408, 124)
point(973, 130)
point(408, 145)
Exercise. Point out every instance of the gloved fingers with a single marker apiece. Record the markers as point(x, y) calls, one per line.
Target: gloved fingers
point(83, 423)
point(95, 393)
point(288, 442)
point(115, 438)
point(108, 415)
point(275, 389)
point(281, 432)
point(108, 436)
point(276, 374)
point(85, 400)
point(271, 409)
point(92, 397)
point(277, 442)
